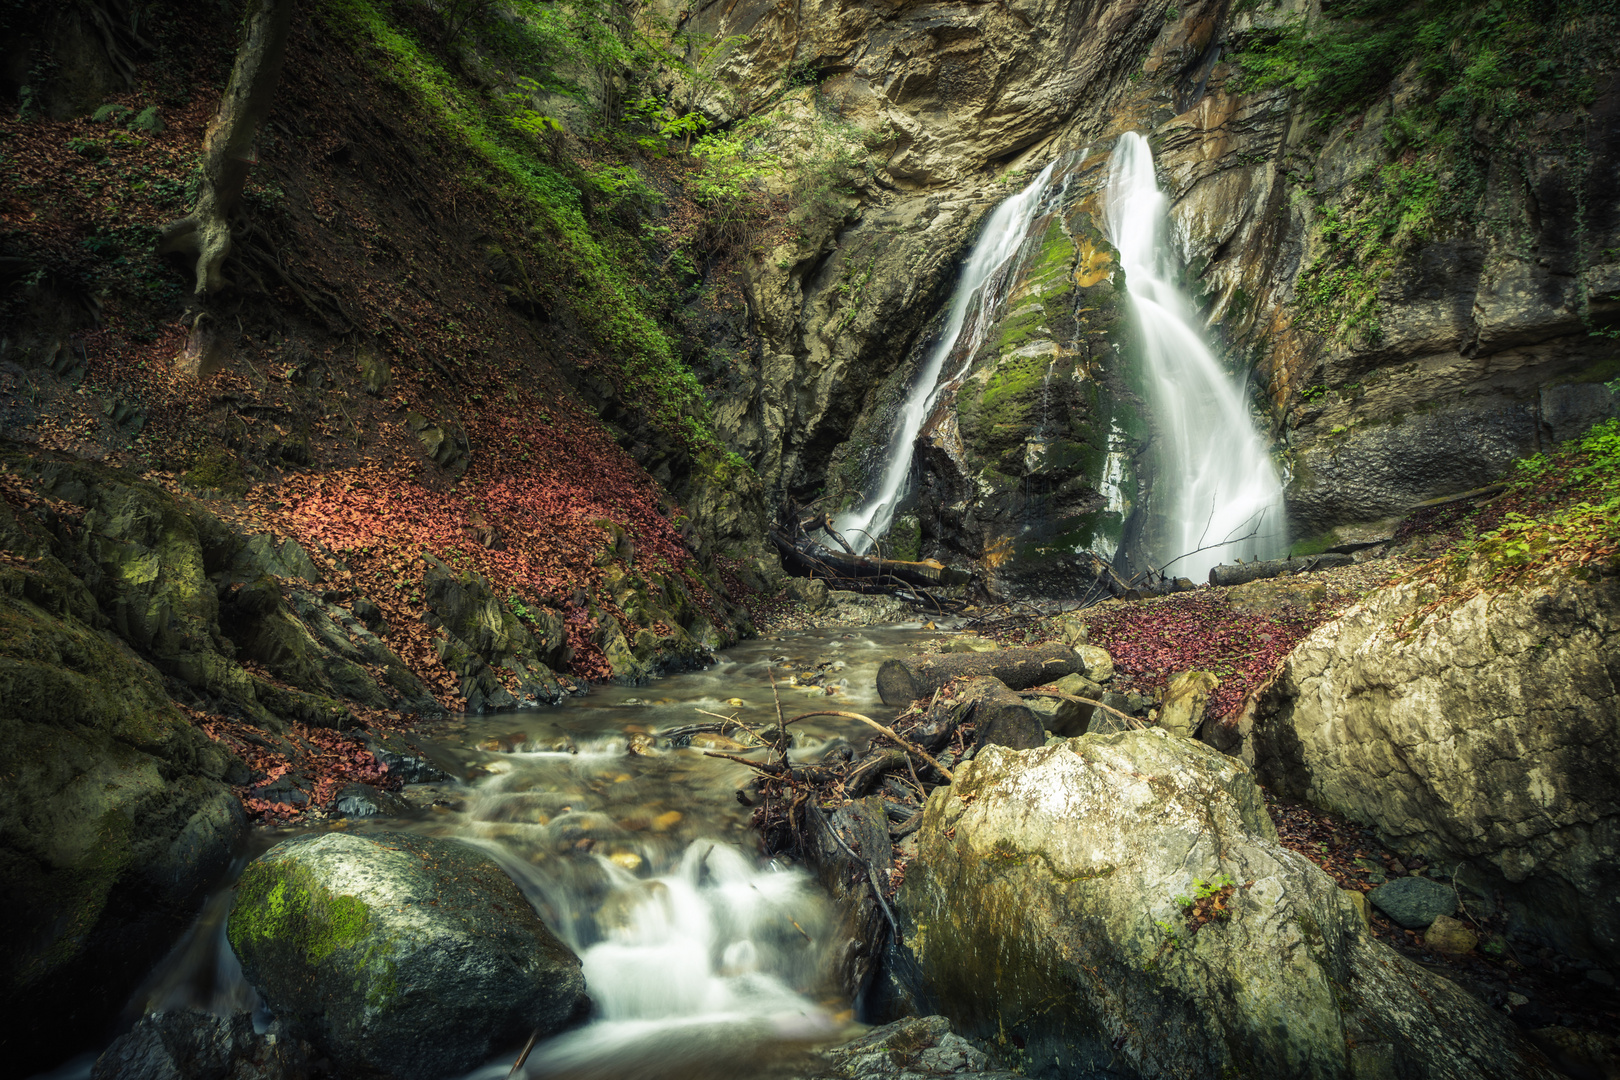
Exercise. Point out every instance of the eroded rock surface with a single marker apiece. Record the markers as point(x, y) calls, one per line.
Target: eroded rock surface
point(1043, 903)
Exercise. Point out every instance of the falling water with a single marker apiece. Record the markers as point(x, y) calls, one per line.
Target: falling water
point(1218, 487)
point(981, 288)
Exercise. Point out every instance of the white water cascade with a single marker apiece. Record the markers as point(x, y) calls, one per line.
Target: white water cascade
point(1217, 485)
point(981, 288)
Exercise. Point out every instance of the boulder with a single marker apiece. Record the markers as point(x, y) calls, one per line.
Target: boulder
point(399, 955)
point(811, 592)
point(1186, 697)
point(1099, 666)
point(1122, 902)
point(114, 816)
point(195, 1045)
point(1414, 902)
point(363, 800)
point(915, 1048)
point(1449, 936)
point(1475, 731)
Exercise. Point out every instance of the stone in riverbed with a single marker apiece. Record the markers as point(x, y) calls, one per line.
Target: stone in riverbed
point(1414, 902)
point(1099, 665)
point(1185, 700)
point(399, 955)
point(1044, 903)
point(916, 1047)
point(194, 1045)
point(1449, 936)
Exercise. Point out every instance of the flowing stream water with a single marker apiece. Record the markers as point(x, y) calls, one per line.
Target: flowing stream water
point(701, 957)
point(981, 289)
point(1224, 494)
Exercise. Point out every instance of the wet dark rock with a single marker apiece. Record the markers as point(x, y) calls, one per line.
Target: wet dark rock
point(413, 759)
point(1414, 902)
point(194, 1045)
point(911, 1049)
point(114, 814)
point(399, 955)
point(478, 635)
point(363, 800)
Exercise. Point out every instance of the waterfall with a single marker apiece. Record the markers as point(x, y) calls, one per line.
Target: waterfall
point(1216, 486)
point(979, 291)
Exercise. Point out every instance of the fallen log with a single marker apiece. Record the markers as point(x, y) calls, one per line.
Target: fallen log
point(1238, 573)
point(1000, 716)
point(900, 682)
point(825, 563)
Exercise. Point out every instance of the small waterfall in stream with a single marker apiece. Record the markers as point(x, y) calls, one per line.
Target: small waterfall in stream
point(982, 287)
point(1217, 485)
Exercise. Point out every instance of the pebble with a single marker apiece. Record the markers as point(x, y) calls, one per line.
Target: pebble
point(1601, 977)
point(666, 821)
point(627, 859)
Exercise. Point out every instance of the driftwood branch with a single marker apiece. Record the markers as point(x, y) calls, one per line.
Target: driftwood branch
point(1130, 720)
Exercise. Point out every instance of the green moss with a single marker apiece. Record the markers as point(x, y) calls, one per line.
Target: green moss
point(1314, 545)
point(595, 281)
point(279, 901)
point(905, 539)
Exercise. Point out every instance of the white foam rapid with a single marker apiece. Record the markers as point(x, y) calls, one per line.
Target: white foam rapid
point(1217, 486)
point(982, 287)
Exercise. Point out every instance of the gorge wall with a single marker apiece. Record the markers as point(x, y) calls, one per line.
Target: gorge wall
point(1415, 271)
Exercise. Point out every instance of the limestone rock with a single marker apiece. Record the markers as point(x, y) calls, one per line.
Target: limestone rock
point(399, 955)
point(1042, 904)
point(1414, 902)
point(1481, 733)
point(1099, 665)
point(1185, 699)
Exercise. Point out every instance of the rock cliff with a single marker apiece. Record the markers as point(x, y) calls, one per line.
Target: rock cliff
point(1414, 301)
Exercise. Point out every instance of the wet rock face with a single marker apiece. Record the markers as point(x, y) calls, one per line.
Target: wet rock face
point(1485, 737)
point(114, 812)
point(398, 955)
point(194, 1045)
point(911, 1049)
point(1066, 874)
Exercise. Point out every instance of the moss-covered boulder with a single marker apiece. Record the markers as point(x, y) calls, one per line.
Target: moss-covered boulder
point(114, 819)
point(1123, 900)
point(399, 955)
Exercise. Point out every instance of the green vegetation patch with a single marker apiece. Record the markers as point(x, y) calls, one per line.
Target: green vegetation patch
point(1486, 76)
point(504, 144)
point(280, 901)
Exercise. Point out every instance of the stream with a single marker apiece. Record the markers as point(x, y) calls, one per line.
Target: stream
point(701, 956)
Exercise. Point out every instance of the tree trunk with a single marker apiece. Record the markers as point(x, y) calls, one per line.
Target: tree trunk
point(900, 682)
point(228, 151)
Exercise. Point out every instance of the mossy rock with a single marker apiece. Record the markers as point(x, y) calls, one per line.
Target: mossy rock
point(114, 819)
point(399, 955)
